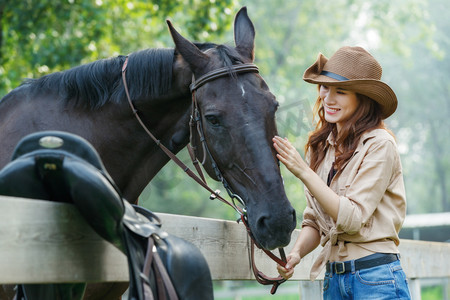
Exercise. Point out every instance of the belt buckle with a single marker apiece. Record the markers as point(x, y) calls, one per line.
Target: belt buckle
point(339, 267)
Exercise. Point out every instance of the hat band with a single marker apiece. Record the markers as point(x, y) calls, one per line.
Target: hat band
point(333, 75)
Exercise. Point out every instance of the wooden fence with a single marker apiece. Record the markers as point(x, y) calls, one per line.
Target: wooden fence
point(43, 241)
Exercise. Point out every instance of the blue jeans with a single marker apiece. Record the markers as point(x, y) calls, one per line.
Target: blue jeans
point(386, 281)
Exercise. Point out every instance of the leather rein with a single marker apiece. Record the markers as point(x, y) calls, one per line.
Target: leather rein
point(195, 123)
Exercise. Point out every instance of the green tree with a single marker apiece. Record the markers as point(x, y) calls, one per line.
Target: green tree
point(424, 105)
point(42, 36)
point(408, 37)
point(291, 34)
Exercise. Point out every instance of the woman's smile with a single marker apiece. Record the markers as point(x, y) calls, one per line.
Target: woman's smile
point(331, 110)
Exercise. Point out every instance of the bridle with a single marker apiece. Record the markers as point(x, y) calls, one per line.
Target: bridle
point(195, 124)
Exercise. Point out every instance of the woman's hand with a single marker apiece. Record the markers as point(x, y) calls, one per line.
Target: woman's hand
point(286, 272)
point(289, 156)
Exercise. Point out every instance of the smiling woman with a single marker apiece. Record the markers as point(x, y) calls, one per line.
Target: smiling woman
point(353, 181)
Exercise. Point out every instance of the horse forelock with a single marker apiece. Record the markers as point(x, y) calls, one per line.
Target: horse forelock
point(149, 74)
point(228, 55)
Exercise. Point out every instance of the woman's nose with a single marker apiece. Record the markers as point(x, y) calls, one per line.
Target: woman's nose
point(326, 96)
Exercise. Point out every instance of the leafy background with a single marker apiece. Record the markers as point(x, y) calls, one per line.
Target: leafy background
point(409, 38)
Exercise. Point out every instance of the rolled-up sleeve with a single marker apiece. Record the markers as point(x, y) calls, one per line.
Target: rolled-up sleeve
point(309, 218)
point(366, 188)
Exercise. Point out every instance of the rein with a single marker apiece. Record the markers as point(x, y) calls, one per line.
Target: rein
point(196, 122)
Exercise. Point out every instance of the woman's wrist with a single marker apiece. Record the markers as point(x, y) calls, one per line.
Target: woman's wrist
point(296, 251)
point(304, 173)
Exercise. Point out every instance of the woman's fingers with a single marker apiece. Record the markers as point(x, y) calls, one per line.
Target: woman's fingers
point(281, 141)
point(280, 150)
point(281, 145)
point(285, 273)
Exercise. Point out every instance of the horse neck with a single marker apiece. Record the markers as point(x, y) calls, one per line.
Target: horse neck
point(168, 121)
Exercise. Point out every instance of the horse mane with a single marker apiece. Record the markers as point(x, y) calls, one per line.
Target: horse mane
point(92, 85)
point(149, 74)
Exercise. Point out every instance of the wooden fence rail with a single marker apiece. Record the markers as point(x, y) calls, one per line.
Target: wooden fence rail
point(43, 241)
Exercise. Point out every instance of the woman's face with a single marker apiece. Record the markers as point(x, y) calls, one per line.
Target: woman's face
point(339, 104)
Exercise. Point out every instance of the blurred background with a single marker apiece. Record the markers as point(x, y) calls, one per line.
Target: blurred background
point(410, 38)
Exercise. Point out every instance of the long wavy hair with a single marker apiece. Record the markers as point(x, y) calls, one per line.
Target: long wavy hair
point(366, 118)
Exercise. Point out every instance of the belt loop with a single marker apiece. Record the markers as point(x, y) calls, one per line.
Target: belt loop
point(352, 263)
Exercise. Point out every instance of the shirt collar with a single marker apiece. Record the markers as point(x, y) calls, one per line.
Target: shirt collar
point(330, 139)
point(366, 136)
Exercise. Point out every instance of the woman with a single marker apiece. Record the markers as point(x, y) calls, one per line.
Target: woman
point(353, 181)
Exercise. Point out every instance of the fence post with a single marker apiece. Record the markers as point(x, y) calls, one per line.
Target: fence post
point(311, 290)
point(414, 287)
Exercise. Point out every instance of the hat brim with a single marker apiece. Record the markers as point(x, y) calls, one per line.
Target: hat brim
point(375, 89)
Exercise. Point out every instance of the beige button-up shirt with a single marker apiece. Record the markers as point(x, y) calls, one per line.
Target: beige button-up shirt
point(372, 202)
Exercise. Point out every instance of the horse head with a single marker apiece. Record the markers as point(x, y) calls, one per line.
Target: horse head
point(236, 123)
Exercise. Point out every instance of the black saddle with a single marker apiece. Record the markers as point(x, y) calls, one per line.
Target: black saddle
point(59, 166)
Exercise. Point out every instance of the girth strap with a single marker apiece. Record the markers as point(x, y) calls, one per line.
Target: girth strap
point(164, 286)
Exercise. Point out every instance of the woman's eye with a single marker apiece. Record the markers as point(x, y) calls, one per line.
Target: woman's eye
point(213, 120)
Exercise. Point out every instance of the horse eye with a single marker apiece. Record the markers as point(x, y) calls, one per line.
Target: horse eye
point(213, 120)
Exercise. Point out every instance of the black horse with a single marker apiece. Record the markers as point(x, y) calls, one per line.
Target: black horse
point(236, 114)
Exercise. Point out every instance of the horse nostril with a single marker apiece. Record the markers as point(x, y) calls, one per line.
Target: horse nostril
point(261, 223)
point(266, 223)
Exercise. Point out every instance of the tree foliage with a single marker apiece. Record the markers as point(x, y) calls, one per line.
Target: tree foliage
point(410, 40)
point(42, 36)
point(408, 37)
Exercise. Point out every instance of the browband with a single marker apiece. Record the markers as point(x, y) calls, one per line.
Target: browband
point(217, 73)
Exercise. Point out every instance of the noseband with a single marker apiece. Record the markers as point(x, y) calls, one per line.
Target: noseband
point(195, 123)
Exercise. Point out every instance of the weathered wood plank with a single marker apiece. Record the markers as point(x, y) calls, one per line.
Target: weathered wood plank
point(42, 241)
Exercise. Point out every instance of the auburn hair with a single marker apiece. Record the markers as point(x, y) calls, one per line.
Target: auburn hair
point(366, 118)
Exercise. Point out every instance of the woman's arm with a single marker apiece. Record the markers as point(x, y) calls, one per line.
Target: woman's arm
point(290, 157)
point(307, 241)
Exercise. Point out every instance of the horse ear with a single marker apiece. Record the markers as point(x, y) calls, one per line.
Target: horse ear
point(196, 59)
point(244, 34)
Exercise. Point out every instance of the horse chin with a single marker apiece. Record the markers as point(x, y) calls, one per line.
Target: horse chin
point(273, 242)
point(271, 225)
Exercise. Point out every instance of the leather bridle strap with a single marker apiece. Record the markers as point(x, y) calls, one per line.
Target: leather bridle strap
point(242, 68)
point(259, 276)
point(169, 153)
point(221, 72)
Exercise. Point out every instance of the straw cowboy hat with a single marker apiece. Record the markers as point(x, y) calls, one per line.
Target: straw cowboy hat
point(353, 68)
